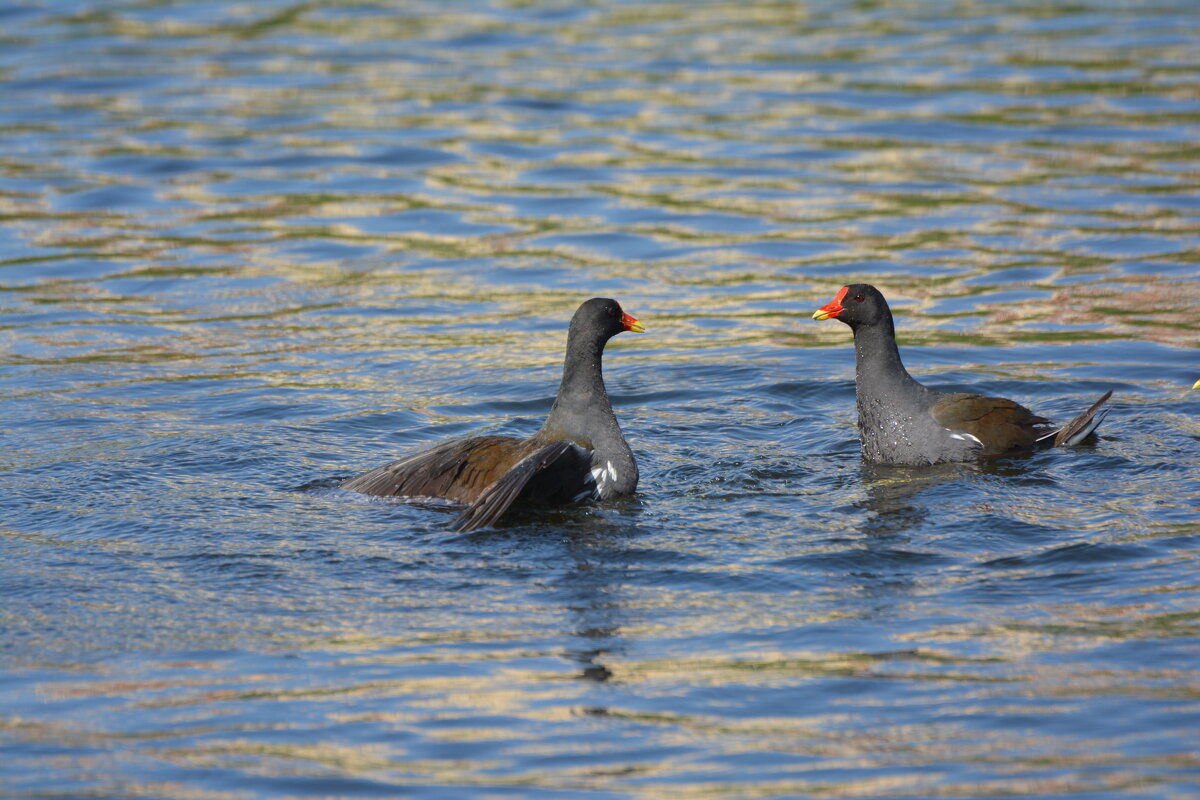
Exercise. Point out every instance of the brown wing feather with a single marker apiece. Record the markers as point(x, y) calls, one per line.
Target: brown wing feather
point(457, 471)
point(553, 473)
point(1002, 425)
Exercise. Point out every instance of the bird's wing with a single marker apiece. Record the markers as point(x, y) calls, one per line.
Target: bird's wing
point(998, 424)
point(554, 473)
point(459, 470)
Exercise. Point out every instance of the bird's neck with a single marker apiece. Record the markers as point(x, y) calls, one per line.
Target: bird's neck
point(878, 368)
point(582, 410)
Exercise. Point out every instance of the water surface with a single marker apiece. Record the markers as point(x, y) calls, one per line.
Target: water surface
point(249, 249)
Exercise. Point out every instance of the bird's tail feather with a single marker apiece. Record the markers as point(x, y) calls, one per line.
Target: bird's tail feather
point(1083, 425)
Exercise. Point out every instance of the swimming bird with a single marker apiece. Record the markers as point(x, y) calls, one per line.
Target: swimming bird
point(900, 421)
point(578, 454)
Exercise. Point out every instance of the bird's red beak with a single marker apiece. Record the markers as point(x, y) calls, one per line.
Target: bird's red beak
point(631, 324)
point(832, 309)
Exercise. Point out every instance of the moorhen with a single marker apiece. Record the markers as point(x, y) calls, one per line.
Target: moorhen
point(902, 422)
point(578, 454)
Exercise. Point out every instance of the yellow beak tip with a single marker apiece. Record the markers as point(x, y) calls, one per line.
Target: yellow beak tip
point(820, 314)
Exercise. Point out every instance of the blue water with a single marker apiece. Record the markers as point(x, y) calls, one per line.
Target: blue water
point(249, 249)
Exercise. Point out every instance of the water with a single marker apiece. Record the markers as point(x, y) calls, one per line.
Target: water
point(248, 249)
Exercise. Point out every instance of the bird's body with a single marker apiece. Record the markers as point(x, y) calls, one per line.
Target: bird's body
point(901, 421)
point(578, 454)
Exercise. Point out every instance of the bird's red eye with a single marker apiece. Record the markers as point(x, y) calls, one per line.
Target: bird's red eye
point(612, 311)
point(858, 298)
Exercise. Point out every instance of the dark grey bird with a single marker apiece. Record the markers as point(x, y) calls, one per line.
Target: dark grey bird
point(578, 454)
point(901, 421)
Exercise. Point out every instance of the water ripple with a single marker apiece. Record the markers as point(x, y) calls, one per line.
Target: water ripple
point(251, 249)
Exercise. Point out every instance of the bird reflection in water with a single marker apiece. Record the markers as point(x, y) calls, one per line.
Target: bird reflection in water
point(891, 491)
point(590, 591)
